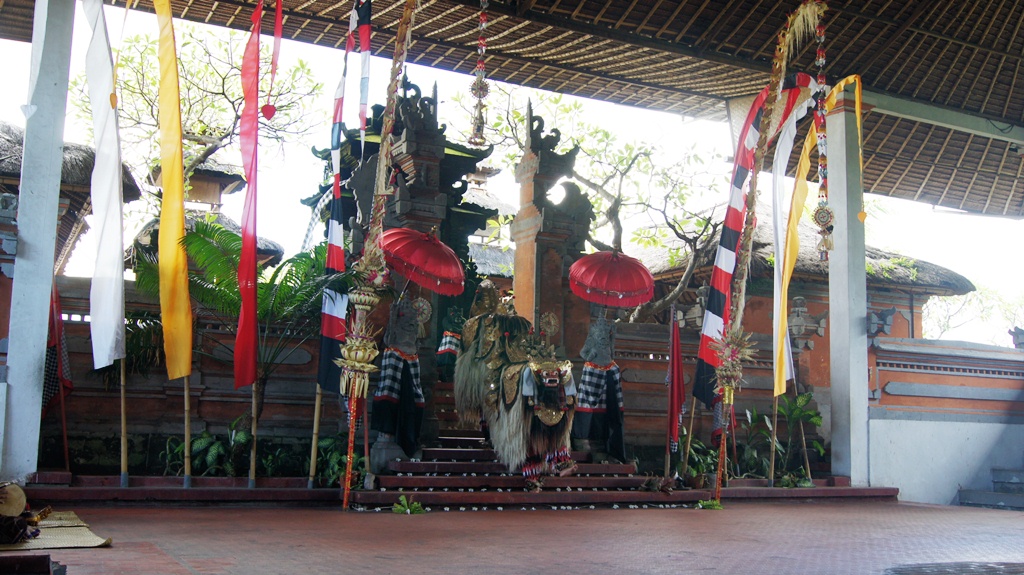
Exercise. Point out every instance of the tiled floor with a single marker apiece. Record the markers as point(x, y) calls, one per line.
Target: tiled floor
point(747, 537)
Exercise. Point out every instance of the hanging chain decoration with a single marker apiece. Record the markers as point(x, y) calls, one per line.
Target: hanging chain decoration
point(823, 215)
point(480, 89)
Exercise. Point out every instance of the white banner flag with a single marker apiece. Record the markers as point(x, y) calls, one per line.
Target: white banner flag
point(106, 299)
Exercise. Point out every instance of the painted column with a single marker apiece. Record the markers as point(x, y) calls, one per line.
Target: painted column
point(847, 298)
point(37, 217)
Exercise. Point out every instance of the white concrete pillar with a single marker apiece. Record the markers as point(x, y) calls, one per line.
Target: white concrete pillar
point(37, 217)
point(847, 298)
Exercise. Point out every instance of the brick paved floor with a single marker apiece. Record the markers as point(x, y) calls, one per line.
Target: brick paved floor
point(746, 537)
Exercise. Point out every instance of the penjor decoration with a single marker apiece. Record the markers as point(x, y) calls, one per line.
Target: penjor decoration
point(723, 344)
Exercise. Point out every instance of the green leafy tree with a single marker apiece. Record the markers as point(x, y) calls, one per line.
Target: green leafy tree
point(209, 68)
point(289, 300)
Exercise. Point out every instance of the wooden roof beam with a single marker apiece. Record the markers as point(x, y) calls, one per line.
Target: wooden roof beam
point(975, 124)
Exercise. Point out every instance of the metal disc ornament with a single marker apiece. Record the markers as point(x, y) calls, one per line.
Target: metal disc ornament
point(823, 215)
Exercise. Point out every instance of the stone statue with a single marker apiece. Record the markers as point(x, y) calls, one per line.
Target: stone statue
point(398, 401)
point(598, 426)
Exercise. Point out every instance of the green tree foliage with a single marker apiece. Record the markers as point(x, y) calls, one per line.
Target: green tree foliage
point(209, 68)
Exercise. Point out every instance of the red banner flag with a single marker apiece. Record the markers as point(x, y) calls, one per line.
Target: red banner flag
point(245, 339)
point(676, 382)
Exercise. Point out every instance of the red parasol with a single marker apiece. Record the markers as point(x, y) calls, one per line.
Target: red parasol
point(611, 278)
point(422, 258)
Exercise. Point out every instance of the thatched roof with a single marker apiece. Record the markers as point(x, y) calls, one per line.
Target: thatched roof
point(267, 251)
point(691, 57)
point(489, 200)
point(885, 269)
point(77, 167)
point(492, 260)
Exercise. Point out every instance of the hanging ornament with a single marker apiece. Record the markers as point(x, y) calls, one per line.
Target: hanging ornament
point(823, 216)
point(480, 89)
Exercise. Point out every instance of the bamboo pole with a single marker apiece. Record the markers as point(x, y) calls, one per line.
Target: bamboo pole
point(252, 446)
point(689, 437)
point(803, 439)
point(313, 452)
point(188, 434)
point(124, 427)
point(774, 440)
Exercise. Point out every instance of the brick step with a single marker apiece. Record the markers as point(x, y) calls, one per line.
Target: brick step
point(1008, 480)
point(492, 499)
point(446, 415)
point(480, 467)
point(514, 481)
point(461, 433)
point(992, 499)
point(478, 454)
point(466, 500)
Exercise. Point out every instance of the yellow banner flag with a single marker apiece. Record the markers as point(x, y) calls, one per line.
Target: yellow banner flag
point(796, 208)
point(175, 306)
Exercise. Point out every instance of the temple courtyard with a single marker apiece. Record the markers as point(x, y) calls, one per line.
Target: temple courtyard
point(819, 537)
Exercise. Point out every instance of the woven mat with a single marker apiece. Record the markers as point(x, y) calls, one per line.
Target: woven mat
point(61, 530)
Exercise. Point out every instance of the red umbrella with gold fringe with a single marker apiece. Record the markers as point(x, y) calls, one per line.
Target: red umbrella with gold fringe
point(424, 260)
point(612, 279)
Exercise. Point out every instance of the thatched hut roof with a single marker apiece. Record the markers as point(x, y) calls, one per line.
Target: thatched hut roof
point(885, 269)
point(76, 182)
point(76, 170)
point(493, 260)
point(268, 252)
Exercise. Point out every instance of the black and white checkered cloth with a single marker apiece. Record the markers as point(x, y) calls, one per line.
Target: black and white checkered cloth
point(389, 387)
point(451, 342)
point(593, 387)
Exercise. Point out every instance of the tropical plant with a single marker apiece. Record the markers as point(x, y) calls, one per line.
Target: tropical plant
point(407, 506)
point(173, 456)
point(701, 459)
point(289, 300)
point(754, 450)
point(332, 461)
point(208, 453)
point(143, 348)
point(796, 413)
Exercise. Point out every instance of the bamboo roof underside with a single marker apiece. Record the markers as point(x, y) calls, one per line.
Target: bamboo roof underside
point(689, 56)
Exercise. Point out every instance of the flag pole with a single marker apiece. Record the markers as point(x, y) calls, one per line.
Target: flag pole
point(670, 388)
point(774, 441)
point(252, 447)
point(124, 427)
point(188, 435)
point(316, 436)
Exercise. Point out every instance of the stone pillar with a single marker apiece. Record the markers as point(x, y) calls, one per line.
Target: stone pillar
point(847, 299)
point(37, 235)
point(540, 231)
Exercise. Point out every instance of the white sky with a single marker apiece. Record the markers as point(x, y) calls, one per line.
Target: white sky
point(975, 246)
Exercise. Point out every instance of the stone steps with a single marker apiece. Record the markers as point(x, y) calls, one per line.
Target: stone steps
point(1007, 491)
point(463, 475)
